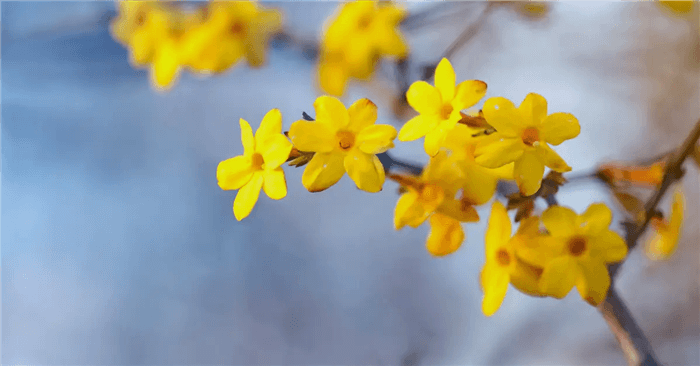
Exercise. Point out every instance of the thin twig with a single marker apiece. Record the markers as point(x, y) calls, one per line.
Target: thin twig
point(634, 344)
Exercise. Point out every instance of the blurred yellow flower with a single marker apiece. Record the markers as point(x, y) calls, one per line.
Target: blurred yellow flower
point(232, 30)
point(576, 253)
point(665, 240)
point(522, 136)
point(479, 183)
point(358, 35)
point(343, 140)
point(259, 166)
point(435, 192)
point(439, 106)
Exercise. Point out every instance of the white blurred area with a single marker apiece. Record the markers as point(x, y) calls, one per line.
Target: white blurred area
point(119, 247)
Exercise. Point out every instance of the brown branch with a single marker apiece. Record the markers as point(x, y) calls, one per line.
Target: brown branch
point(634, 344)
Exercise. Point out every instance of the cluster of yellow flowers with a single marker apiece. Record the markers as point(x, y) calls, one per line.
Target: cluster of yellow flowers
point(355, 39)
point(468, 153)
point(466, 162)
point(166, 38)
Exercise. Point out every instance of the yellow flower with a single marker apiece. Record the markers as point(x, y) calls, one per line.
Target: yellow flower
point(434, 195)
point(259, 166)
point(139, 25)
point(439, 106)
point(577, 252)
point(359, 35)
point(344, 140)
point(523, 137)
point(172, 50)
point(503, 264)
point(232, 30)
point(479, 183)
point(665, 240)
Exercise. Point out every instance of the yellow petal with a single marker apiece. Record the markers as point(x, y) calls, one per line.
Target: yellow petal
point(468, 93)
point(525, 278)
point(234, 173)
point(677, 208)
point(392, 43)
point(492, 152)
point(593, 282)
point(312, 136)
point(376, 139)
point(433, 141)
point(528, 173)
point(597, 218)
point(418, 127)
point(533, 110)
point(494, 282)
point(458, 210)
point(275, 150)
point(331, 111)
point(538, 250)
point(559, 277)
point(408, 210)
point(559, 221)
point(424, 98)
point(365, 170)
point(480, 184)
point(275, 185)
point(247, 138)
point(362, 114)
point(323, 171)
point(498, 230)
point(552, 159)
point(445, 80)
point(166, 65)
point(662, 245)
point(271, 125)
point(503, 116)
point(333, 77)
point(446, 235)
point(559, 127)
point(608, 246)
point(247, 197)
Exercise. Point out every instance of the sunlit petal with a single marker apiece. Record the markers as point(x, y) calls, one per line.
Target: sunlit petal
point(424, 98)
point(468, 93)
point(528, 172)
point(559, 277)
point(559, 127)
point(362, 114)
point(362, 168)
point(275, 185)
point(494, 283)
point(247, 197)
point(323, 171)
point(376, 139)
point(445, 80)
point(234, 173)
point(312, 136)
point(502, 114)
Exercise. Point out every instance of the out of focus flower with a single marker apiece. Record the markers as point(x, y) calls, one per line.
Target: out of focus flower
point(232, 30)
point(667, 233)
point(523, 136)
point(439, 106)
point(259, 166)
point(576, 253)
point(361, 33)
point(343, 140)
point(479, 183)
point(210, 39)
point(435, 192)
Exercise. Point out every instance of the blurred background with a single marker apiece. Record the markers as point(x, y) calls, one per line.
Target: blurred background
point(118, 246)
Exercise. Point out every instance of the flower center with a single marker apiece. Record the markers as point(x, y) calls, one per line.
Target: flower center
point(530, 136)
point(346, 140)
point(257, 161)
point(140, 19)
point(577, 245)
point(446, 111)
point(364, 22)
point(237, 29)
point(502, 257)
point(431, 192)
